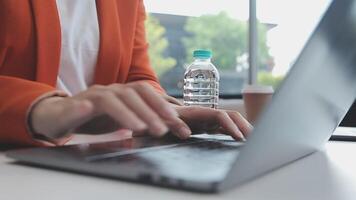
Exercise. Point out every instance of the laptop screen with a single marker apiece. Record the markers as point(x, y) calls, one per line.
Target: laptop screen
point(312, 100)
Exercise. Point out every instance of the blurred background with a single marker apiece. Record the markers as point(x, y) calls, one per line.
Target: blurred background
point(177, 27)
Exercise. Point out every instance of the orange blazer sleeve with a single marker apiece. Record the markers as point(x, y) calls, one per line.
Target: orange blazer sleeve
point(16, 97)
point(140, 68)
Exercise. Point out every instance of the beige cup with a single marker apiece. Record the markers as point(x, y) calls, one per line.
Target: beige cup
point(255, 99)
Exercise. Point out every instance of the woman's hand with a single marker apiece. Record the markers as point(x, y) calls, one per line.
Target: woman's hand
point(135, 106)
point(201, 119)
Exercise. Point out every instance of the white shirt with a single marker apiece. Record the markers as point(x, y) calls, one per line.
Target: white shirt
point(80, 44)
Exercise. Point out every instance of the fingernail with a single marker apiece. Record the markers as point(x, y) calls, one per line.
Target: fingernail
point(141, 126)
point(184, 132)
point(159, 128)
point(242, 137)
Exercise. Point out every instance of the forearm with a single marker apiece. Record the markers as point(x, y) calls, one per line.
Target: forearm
point(17, 96)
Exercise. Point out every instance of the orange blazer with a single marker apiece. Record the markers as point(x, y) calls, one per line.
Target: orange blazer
point(30, 42)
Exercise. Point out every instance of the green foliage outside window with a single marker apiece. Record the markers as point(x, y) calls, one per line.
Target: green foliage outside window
point(158, 44)
point(225, 36)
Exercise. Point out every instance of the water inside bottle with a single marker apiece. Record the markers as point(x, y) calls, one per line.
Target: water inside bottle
point(201, 88)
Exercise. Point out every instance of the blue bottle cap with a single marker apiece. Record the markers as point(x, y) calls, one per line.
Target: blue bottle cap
point(202, 54)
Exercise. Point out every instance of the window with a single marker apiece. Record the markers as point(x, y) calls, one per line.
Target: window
point(293, 22)
point(176, 27)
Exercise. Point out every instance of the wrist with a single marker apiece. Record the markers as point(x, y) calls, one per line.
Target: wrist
point(37, 114)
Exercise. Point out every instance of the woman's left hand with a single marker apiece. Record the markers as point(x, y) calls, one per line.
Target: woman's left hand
point(200, 119)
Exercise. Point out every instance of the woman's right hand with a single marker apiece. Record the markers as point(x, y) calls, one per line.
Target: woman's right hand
point(135, 106)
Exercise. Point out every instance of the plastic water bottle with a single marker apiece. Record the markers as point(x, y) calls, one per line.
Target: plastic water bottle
point(201, 81)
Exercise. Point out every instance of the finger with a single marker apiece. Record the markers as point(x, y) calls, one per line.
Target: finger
point(228, 124)
point(155, 124)
point(155, 101)
point(241, 122)
point(179, 128)
point(109, 104)
point(172, 100)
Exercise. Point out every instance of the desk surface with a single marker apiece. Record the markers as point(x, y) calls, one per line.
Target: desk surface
point(329, 174)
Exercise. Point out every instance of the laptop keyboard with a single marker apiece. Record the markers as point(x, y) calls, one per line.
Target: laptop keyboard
point(205, 152)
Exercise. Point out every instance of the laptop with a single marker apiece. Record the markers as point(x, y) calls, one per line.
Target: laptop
point(306, 109)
